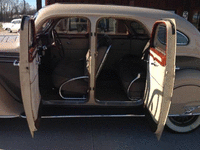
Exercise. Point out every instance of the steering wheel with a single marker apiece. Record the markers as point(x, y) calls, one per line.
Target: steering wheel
point(57, 42)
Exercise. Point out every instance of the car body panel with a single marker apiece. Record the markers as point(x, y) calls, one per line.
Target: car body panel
point(9, 107)
point(161, 73)
point(15, 27)
point(7, 26)
point(29, 73)
point(9, 45)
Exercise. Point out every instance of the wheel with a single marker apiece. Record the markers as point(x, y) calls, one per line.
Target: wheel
point(183, 124)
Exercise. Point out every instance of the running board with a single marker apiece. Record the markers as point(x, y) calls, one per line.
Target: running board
point(87, 112)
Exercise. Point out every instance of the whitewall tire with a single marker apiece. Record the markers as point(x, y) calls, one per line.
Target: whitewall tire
point(183, 124)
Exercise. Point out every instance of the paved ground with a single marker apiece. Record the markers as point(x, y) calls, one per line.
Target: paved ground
point(3, 32)
point(92, 134)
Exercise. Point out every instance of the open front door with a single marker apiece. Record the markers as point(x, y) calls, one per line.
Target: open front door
point(160, 74)
point(29, 73)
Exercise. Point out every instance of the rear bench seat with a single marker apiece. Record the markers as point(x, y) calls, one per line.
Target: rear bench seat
point(132, 73)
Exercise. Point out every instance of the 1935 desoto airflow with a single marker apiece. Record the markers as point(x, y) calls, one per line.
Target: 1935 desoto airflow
point(78, 60)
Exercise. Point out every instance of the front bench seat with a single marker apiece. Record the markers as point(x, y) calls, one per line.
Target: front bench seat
point(72, 77)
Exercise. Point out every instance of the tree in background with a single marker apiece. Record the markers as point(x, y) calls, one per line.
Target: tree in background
point(10, 9)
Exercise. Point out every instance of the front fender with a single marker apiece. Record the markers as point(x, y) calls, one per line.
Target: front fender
point(9, 108)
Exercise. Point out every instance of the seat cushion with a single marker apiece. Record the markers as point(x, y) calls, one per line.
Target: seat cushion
point(66, 70)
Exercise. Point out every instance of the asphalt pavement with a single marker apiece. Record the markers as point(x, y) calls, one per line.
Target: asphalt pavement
point(92, 134)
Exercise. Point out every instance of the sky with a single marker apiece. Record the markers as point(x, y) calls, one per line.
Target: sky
point(33, 2)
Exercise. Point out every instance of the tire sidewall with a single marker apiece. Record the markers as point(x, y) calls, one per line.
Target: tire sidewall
point(184, 129)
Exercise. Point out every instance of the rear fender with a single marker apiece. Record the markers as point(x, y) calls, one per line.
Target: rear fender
point(186, 95)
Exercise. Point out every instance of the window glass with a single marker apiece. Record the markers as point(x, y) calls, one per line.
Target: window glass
point(138, 28)
point(162, 34)
point(111, 26)
point(46, 25)
point(160, 38)
point(72, 25)
point(182, 39)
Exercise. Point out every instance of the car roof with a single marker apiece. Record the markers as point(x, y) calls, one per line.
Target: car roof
point(146, 15)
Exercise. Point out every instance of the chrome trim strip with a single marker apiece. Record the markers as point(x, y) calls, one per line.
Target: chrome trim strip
point(101, 116)
point(7, 56)
point(93, 116)
point(10, 116)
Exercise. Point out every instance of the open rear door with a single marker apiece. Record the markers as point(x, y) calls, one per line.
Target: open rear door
point(29, 73)
point(160, 74)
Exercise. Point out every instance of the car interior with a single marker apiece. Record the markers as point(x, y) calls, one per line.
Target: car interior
point(120, 67)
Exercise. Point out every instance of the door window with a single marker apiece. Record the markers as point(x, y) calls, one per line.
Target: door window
point(72, 25)
point(160, 39)
point(112, 26)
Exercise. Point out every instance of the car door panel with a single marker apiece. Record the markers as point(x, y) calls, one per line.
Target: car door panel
point(29, 73)
point(160, 74)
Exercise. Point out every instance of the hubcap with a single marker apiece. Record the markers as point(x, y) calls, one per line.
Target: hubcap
point(183, 121)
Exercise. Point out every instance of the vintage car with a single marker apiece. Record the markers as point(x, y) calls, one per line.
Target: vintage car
point(15, 27)
point(15, 23)
point(81, 60)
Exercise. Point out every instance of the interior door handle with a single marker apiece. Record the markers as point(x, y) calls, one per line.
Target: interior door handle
point(154, 64)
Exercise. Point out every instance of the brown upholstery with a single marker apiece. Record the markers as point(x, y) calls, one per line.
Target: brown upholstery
point(132, 76)
point(70, 71)
point(66, 70)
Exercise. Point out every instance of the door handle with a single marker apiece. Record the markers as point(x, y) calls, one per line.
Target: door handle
point(154, 64)
point(16, 63)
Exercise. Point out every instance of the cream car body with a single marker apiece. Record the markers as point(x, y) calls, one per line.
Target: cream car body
point(129, 30)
